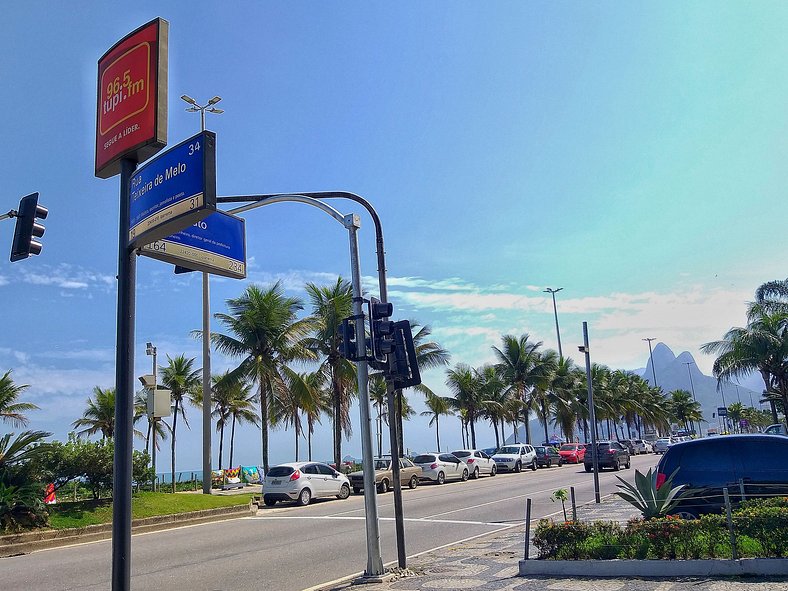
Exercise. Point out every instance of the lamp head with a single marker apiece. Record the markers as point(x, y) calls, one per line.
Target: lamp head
point(188, 99)
point(214, 100)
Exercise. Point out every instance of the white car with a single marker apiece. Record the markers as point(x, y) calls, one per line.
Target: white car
point(515, 457)
point(641, 446)
point(440, 467)
point(477, 461)
point(662, 445)
point(303, 481)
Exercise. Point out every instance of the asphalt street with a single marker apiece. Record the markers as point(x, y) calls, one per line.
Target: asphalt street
point(287, 548)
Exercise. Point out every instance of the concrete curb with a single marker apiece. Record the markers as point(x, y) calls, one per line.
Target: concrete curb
point(655, 568)
point(24, 543)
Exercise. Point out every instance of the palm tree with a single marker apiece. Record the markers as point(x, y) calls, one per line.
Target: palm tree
point(736, 414)
point(330, 305)
point(24, 447)
point(684, 409)
point(562, 396)
point(543, 376)
point(517, 361)
point(10, 409)
point(179, 377)
point(493, 394)
point(437, 405)
point(266, 332)
point(99, 416)
point(464, 384)
point(317, 404)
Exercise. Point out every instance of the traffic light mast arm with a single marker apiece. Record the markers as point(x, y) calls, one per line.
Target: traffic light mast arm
point(11, 214)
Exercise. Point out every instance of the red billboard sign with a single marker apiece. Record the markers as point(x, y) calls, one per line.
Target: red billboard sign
point(131, 116)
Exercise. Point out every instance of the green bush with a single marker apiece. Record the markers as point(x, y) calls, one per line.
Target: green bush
point(766, 524)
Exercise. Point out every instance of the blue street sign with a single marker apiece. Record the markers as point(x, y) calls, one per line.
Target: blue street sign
point(174, 190)
point(722, 411)
point(215, 245)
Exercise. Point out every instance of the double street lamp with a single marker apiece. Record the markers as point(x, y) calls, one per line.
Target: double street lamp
point(206, 327)
point(651, 357)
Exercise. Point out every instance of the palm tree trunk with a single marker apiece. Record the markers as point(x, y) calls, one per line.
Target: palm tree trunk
point(337, 403)
point(221, 446)
point(527, 428)
point(174, 422)
point(264, 422)
point(309, 442)
point(544, 419)
point(472, 421)
point(437, 433)
point(232, 443)
point(147, 436)
point(495, 425)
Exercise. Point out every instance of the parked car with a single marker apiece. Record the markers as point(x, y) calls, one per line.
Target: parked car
point(303, 481)
point(515, 457)
point(629, 444)
point(547, 455)
point(662, 445)
point(478, 462)
point(441, 467)
point(610, 454)
point(707, 466)
point(408, 475)
point(776, 429)
point(572, 453)
point(490, 451)
point(641, 446)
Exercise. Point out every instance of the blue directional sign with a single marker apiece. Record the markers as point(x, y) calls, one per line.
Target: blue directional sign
point(174, 190)
point(216, 244)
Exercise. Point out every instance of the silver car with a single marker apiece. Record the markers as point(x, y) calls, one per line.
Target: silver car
point(303, 481)
point(440, 467)
point(661, 445)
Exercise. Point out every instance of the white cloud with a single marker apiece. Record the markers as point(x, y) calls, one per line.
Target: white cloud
point(63, 276)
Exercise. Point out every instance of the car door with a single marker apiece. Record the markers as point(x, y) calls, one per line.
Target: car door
point(761, 465)
point(330, 479)
point(315, 480)
point(485, 463)
point(451, 465)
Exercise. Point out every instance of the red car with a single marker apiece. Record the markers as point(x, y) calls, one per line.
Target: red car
point(573, 453)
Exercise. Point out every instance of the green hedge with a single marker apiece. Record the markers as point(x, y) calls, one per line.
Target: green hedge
point(761, 529)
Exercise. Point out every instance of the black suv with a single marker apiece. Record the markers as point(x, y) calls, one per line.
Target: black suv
point(709, 465)
point(610, 454)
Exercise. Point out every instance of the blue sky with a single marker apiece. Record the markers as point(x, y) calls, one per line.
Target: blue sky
point(631, 153)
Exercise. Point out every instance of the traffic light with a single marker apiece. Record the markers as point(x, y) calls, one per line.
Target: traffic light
point(27, 228)
point(405, 369)
point(347, 340)
point(382, 330)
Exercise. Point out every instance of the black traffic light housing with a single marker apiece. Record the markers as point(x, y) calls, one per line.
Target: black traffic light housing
point(405, 368)
point(382, 331)
point(347, 339)
point(27, 228)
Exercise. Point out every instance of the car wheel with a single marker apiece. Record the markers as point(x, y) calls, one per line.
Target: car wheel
point(344, 492)
point(383, 487)
point(560, 462)
point(441, 478)
point(628, 464)
point(494, 470)
point(304, 498)
point(588, 468)
point(414, 482)
point(356, 490)
point(465, 474)
point(517, 467)
point(549, 463)
point(533, 466)
point(269, 502)
point(616, 465)
point(475, 474)
point(686, 514)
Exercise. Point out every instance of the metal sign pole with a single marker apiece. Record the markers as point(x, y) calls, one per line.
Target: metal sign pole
point(374, 558)
point(124, 393)
point(592, 414)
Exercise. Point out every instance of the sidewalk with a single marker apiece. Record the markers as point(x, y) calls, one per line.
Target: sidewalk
point(491, 564)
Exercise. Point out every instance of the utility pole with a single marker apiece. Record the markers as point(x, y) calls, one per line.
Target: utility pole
point(151, 350)
point(651, 357)
point(206, 327)
point(555, 312)
point(591, 415)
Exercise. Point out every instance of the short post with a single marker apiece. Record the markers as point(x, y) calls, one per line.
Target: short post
point(527, 528)
point(75, 491)
point(574, 505)
point(741, 489)
point(729, 518)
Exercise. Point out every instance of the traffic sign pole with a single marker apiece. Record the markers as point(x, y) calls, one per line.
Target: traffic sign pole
point(124, 393)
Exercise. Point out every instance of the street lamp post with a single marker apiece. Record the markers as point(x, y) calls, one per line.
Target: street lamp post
point(206, 327)
point(555, 312)
point(692, 387)
point(151, 350)
point(651, 357)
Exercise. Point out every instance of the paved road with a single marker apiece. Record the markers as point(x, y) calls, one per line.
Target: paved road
point(292, 548)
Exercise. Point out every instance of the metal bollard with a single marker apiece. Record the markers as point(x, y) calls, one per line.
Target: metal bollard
point(734, 552)
point(574, 505)
point(741, 489)
point(527, 528)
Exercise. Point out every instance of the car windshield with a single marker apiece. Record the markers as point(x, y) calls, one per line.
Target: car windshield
point(424, 459)
point(567, 448)
point(279, 471)
point(509, 450)
point(539, 449)
point(461, 454)
point(382, 464)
